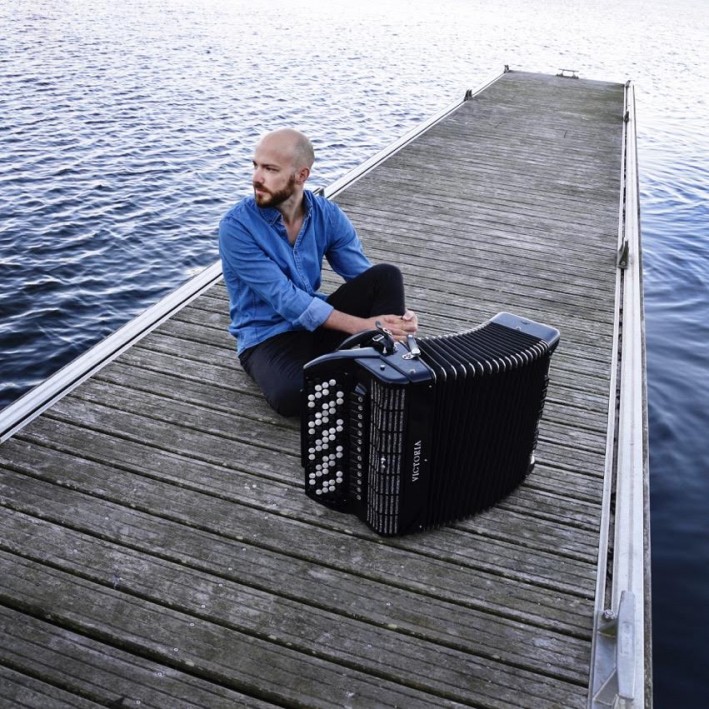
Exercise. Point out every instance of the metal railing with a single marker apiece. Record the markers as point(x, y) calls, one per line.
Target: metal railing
point(37, 400)
point(621, 657)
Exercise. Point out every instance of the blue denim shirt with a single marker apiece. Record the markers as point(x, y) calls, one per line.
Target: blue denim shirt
point(273, 286)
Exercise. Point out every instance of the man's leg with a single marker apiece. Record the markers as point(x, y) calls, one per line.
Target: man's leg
point(377, 291)
point(276, 365)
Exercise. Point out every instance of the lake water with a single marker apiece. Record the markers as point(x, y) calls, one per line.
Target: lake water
point(126, 130)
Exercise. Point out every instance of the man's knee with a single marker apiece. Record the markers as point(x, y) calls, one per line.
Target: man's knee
point(388, 290)
point(387, 272)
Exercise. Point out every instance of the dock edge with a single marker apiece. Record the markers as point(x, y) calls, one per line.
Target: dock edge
point(621, 666)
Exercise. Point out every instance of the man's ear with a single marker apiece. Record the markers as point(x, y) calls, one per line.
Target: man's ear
point(302, 175)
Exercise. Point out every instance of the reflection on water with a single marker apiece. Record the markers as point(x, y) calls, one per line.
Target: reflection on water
point(126, 130)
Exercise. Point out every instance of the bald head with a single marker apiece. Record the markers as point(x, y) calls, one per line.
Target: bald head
point(292, 145)
point(282, 161)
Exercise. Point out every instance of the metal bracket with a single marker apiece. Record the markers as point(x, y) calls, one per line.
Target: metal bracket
point(623, 254)
point(414, 351)
point(568, 73)
point(616, 655)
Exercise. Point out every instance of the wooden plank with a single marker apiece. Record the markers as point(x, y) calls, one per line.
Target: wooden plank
point(335, 633)
point(314, 528)
point(210, 434)
point(192, 644)
point(173, 340)
point(21, 690)
point(89, 672)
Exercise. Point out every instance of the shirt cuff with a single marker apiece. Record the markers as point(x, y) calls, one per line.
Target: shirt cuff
point(315, 314)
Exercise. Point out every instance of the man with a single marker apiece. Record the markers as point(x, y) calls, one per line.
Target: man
point(272, 246)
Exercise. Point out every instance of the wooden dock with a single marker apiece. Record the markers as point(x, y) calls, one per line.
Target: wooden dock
point(157, 549)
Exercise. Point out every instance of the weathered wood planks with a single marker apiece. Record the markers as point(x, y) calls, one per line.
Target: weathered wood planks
point(155, 542)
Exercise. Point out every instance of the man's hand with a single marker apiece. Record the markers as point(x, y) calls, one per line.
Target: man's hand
point(399, 325)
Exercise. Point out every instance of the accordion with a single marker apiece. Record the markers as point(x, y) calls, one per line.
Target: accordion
point(412, 436)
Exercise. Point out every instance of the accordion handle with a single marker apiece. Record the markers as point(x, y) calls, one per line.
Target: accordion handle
point(380, 340)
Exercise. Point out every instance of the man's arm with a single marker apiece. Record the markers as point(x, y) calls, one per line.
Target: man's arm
point(344, 253)
point(398, 325)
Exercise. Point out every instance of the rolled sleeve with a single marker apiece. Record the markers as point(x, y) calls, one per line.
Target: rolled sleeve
point(315, 314)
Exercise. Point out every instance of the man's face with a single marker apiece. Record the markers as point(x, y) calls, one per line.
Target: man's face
point(274, 178)
point(272, 196)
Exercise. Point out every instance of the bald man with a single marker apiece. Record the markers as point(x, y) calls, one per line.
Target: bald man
point(272, 246)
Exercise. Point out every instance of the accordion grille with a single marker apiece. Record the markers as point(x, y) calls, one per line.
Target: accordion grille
point(385, 456)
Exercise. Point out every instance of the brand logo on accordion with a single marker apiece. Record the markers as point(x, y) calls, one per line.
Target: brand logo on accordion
point(416, 467)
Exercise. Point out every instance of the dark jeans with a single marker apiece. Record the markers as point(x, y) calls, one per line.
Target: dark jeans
point(276, 365)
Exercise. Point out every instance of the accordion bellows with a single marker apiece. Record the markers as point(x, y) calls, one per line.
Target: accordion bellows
point(414, 437)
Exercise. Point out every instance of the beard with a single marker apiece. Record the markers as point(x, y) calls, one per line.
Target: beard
point(274, 199)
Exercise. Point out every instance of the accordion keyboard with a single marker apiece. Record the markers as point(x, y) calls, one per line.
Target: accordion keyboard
point(326, 440)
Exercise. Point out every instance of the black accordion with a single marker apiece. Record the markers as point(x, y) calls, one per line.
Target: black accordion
point(412, 436)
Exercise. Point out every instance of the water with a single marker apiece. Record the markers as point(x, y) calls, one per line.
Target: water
point(126, 131)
